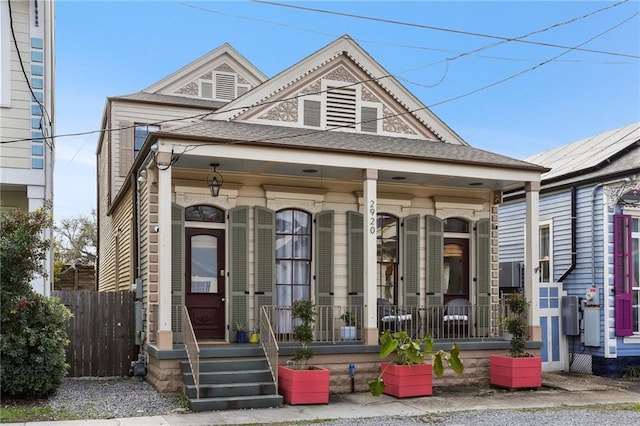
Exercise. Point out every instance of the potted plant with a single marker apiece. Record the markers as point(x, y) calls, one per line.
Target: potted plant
point(299, 383)
point(241, 333)
point(348, 331)
point(518, 369)
point(409, 374)
point(254, 337)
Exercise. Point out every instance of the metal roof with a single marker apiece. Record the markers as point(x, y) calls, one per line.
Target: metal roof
point(586, 154)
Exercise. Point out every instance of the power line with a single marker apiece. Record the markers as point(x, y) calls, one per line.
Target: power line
point(449, 30)
point(401, 45)
point(246, 107)
point(189, 148)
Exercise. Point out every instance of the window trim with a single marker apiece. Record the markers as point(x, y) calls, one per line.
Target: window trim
point(547, 223)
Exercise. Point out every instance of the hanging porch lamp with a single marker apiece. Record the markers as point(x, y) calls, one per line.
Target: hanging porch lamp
point(215, 181)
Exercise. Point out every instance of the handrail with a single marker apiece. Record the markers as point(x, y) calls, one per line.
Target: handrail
point(192, 348)
point(269, 344)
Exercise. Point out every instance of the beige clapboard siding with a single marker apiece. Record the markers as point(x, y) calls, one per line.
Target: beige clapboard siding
point(128, 113)
point(116, 266)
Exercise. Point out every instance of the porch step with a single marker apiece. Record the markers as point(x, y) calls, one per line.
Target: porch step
point(231, 378)
point(235, 402)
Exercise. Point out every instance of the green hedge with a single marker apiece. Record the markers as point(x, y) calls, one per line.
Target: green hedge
point(33, 340)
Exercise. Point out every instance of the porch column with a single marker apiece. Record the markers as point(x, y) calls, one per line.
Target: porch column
point(532, 260)
point(165, 334)
point(370, 177)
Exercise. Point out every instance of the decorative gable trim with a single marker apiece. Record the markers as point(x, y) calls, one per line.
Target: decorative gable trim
point(380, 84)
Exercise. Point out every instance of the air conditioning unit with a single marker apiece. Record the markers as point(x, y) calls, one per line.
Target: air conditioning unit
point(511, 275)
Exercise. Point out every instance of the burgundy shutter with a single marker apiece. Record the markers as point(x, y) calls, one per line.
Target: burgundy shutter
point(622, 274)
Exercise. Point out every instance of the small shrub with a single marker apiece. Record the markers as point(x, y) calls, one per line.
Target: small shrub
point(32, 346)
point(303, 312)
point(515, 324)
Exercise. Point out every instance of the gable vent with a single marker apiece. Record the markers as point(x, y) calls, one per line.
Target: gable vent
point(341, 107)
point(225, 86)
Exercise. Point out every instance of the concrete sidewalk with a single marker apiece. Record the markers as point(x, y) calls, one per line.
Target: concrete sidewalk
point(559, 389)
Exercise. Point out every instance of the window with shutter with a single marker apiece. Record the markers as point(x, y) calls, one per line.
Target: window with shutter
point(388, 255)
point(355, 258)
point(264, 253)
point(225, 86)
point(239, 265)
point(623, 262)
point(411, 260)
point(369, 119)
point(323, 258)
point(311, 113)
point(177, 270)
point(483, 276)
point(341, 107)
point(292, 256)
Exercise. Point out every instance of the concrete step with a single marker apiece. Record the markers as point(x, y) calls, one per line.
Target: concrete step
point(235, 402)
point(232, 389)
point(211, 365)
point(226, 377)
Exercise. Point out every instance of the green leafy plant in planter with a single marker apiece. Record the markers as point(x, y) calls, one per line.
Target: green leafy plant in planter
point(300, 383)
point(518, 369)
point(349, 318)
point(410, 351)
point(303, 312)
point(515, 324)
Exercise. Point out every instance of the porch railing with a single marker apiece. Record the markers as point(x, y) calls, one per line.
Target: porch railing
point(443, 322)
point(192, 349)
point(269, 343)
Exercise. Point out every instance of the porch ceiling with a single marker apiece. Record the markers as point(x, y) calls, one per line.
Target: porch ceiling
point(198, 165)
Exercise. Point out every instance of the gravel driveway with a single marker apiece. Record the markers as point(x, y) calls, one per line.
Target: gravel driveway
point(112, 397)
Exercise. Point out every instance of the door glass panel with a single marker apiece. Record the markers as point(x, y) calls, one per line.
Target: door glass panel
point(453, 269)
point(204, 264)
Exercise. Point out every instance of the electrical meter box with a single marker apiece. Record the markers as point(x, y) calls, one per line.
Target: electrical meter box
point(571, 315)
point(591, 298)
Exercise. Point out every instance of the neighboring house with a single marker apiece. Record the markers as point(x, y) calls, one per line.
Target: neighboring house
point(337, 185)
point(589, 234)
point(26, 111)
point(76, 277)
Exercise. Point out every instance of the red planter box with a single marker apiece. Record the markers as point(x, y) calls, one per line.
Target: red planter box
point(303, 386)
point(407, 380)
point(516, 373)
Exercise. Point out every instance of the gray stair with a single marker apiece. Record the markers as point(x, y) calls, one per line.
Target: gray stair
point(231, 378)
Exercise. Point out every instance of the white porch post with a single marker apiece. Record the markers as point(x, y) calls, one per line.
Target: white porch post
point(165, 334)
point(370, 177)
point(532, 260)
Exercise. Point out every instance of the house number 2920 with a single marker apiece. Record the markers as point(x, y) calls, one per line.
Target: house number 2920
point(372, 217)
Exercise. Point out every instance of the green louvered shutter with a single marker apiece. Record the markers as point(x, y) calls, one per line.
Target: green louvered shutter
point(238, 266)
point(483, 277)
point(411, 261)
point(265, 256)
point(324, 270)
point(177, 270)
point(355, 259)
point(434, 260)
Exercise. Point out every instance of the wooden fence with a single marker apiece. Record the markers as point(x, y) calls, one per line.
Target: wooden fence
point(101, 332)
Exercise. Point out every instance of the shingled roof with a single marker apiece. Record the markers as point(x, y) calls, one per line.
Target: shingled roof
point(342, 141)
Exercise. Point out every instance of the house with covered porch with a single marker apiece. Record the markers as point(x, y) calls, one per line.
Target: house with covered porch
point(225, 195)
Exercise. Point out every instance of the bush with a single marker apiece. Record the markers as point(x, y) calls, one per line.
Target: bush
point(33, 328)
point(33, 341)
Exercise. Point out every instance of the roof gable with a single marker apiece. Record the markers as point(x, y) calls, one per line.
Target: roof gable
point(223, 74)
point(340, 87)
point(587, 153)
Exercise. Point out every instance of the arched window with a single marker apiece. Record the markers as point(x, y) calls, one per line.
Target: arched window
point(293, 256)
point(203, 213)
point(388, 254)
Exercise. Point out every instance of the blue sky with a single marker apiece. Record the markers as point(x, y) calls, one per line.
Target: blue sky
point(532, 102)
